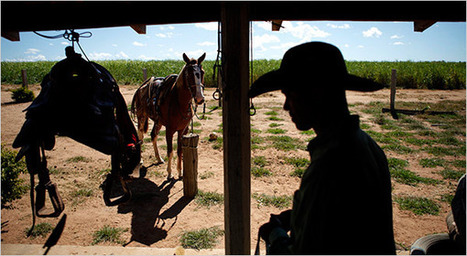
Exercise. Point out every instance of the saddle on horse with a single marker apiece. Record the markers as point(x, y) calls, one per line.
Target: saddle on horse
point(81, 100)
point(158, 88)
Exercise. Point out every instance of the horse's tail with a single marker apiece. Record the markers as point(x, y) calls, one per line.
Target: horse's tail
point(135, 102)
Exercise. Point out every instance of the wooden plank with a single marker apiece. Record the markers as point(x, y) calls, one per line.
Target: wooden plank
point(236, 126)
point(276, 25)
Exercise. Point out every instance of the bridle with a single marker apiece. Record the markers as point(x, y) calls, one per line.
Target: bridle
point(197, 71)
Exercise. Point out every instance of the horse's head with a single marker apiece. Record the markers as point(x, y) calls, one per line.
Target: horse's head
point(194, 75)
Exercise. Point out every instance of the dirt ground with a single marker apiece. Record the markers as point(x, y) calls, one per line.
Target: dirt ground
point(159, 221)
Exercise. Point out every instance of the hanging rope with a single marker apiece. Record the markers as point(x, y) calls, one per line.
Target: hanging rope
point(71, 36)
point(217, 68)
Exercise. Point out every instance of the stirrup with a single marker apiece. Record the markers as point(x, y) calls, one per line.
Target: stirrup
point(54, 196)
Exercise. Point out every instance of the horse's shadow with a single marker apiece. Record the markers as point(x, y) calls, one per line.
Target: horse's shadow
point(147, 223)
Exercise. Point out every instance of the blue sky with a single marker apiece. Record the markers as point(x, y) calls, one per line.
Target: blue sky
point(363, 41)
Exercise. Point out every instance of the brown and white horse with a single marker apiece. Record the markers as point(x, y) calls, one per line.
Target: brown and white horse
point(174, 108)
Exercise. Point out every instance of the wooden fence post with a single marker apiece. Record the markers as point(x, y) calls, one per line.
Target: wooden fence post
point(24, 77)
point(145, 74)
point(190, 164)
point(393, 94)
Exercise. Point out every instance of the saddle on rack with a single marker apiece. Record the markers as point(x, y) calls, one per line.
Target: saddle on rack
point(81, 100)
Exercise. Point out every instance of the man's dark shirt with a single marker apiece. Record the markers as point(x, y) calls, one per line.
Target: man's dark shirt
point(344, 202)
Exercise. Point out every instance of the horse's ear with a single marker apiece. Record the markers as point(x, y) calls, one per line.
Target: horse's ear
point(185, 58)
point(201, 58)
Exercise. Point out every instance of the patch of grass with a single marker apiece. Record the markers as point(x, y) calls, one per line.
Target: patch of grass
point(440, 151)
point(259, 161)
point(297, 161)
point(206, 175)
point(398, 148)
point(451, 174)
point(396, 163)
point(432, 162)
point(449, 141)
point(256, 141)
point(108, 234)
point(273, 125)
point(77, 159)
point(280, 202)
point(276, 131)
point(447, 198)
point(275, 118)
point(410, 178)
point(285, 143)
point(218, 143)
point(82, 193)
point(208, 198)
point(419, 142)
point(298, 172)
point(309, 132)
point(458, 164)
point(271, 113)
point(260, 172)
point(418, 205)
point(41, 229)
point(204, 238)
point(254, 130)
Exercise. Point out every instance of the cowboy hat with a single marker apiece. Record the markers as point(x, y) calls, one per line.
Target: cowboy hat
point(321, 63)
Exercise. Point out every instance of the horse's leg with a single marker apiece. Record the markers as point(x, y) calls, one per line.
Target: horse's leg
point(168, 137)
point(179, 152)
point(154, 133)
point(142, 126)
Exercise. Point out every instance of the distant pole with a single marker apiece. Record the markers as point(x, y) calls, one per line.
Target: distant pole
point(190, 164)
point(24, 77)
point(145, 74)
point(393, 93)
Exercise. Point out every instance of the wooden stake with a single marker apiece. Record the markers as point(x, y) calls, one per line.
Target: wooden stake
point(145, 74)
point(190, 164)
point(393, 94)
point(24, 77)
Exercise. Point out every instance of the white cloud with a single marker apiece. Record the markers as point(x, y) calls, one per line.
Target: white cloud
point(265, 25)
point(144, 57)
point(344, 26)
point(303, 31)
point(361, 46)
point(398, 43)
point(206, 43)
point(65, 43)
point(39, 57)
point(165, 35)
point(138, 44)
point(211, 26)
point(396, 37)
point(115, 45)
point(100, 56)
point(346, 45)
point(167, 27)
point(259, 41)
point(32, 51)
point(372, 32)
point(122, 55)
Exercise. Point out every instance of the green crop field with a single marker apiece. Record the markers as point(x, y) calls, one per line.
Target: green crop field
point(415, 75)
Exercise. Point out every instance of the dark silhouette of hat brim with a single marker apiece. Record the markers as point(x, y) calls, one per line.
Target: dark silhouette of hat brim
point(277, 80)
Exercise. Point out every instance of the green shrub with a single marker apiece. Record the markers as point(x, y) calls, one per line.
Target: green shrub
point(12, 185)
point(22, 94)
point(285, 143)
point(432, 162)
point(451, 174)
point(204, 238)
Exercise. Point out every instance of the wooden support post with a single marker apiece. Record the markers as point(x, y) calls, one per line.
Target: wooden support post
point(145, 74)
point(393, 94)
point(24, 77)
point(236, 124)
point(190, 164)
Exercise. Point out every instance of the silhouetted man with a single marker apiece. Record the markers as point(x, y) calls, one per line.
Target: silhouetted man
point(343, 205)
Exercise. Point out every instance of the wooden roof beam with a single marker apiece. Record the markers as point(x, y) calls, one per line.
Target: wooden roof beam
point(422, 25)
point(276, 25)
point(139, 28)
